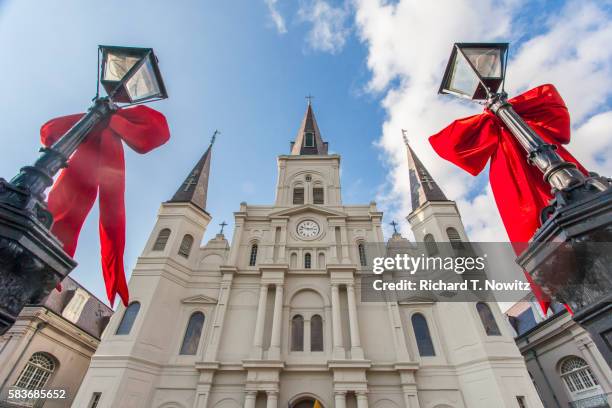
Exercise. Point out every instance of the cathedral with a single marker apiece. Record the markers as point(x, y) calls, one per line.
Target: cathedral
point(275, 319)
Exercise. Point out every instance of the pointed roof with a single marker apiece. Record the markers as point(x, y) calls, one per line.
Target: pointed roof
point(195, 187)
point(423, 187)
point(309, 125)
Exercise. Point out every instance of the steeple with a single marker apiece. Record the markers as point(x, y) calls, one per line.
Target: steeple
point(195, 187)
point(423, 187)
point(308, 140)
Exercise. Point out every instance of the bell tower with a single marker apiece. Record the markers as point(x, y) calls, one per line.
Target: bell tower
point(308, 174)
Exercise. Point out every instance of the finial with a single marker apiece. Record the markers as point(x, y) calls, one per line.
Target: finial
point(223, 224)
point(404, 134)
point(394, 224)
point(309, 97)
point(214, 137)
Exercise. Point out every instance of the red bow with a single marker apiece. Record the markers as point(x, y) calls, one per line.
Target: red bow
point(98, 166)
point(519, 188)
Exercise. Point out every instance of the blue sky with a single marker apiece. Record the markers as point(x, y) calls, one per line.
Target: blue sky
point(244, 67)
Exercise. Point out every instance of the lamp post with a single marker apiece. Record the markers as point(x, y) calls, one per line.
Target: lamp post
point(570, 255)
point(32, 261)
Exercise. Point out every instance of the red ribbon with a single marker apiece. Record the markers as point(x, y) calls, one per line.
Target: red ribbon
point(519, 187)
point(98, 166)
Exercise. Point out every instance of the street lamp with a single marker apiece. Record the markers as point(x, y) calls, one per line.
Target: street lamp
point(569, 256)
point(32, 260)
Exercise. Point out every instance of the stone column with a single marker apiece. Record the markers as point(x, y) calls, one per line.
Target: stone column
point(346, 258)
point(219, 317)
point(362, 399)
point(236, 241)
point(340, 399)
point(249, 399)
point(259, 325)
point(277, 322)
point(336, 323)
point(333, 247)
point(272, 401)
point(356, 351)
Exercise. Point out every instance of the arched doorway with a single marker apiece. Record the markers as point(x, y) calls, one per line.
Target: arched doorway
point(305, 401)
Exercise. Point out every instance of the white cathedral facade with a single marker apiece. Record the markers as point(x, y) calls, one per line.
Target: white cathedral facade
point(275, 319)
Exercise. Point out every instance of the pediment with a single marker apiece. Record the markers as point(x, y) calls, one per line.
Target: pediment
point(307, 208)
point(199, 299)
point(417, 299)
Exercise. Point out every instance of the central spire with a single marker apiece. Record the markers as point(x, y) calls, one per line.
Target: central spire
point(308, 140)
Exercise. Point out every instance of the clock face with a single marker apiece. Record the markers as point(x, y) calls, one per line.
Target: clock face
point(308, 229)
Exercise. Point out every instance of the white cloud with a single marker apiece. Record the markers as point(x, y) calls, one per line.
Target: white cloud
point(275, 15)
point(408, 46)
point(329, 29)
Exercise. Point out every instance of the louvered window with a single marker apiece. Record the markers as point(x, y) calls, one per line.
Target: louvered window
point(162, 240)
point(318, 195)
point(316, 333)
point(454, 238)
point(297, 333)
point(430, 245)
point(298, 195)
point(307, 261)
point(488, 320)
point(309, 139)
point(186, 245)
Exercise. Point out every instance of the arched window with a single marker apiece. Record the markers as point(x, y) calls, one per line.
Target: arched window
point(129, 316)
point(454, 238)
point(162, 240)
point(577, 375)
point(298, 195)
point(430, 245)
point(318, 195)
point(488, 320)
point(423, 338)
point(193, 334)
point(321, 264)
point(293, 260)
point(297, 333)
point(253, 256)
point(307, 261)
point(316, 333)
point(362, 254)
point(186, 245)
point(36, 372)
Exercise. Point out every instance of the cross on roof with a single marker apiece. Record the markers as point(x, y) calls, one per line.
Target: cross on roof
point(214, 136)
point(309, 97)
point(191, 181)
point(223, 225)
point(426, 178)
point(394, 224)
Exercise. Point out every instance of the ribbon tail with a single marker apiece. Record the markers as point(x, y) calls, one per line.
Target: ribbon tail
point(112, 216)
point(73, 195)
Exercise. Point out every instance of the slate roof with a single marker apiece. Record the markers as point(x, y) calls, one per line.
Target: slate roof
point(195, 187)
point(95, 314)
point(423, 187)
point(309, 124)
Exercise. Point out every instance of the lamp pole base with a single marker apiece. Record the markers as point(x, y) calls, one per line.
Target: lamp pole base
point(32, 261)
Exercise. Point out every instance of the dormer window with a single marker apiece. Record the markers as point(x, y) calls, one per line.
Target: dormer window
point(309, 139)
